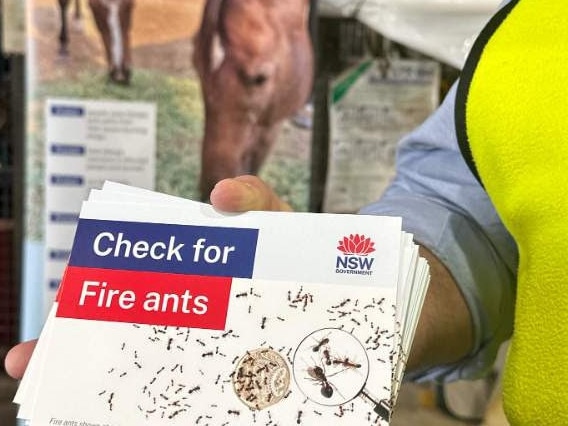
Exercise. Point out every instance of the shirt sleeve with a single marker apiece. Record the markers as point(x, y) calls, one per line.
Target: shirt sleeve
point(449, 212)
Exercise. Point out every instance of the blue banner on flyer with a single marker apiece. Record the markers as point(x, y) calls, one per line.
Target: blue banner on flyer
point(157, 247)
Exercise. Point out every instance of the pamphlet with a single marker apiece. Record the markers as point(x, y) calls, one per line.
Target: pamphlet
point(172, 313)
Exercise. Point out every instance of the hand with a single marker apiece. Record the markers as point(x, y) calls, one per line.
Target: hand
point(245, 193)
point(18, 358)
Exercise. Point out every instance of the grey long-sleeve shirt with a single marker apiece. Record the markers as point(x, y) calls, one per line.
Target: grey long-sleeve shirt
point(449, 212)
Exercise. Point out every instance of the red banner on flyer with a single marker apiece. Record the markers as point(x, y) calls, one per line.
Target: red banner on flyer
point(153, 298)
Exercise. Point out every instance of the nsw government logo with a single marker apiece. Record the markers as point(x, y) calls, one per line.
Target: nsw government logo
point(354, 258)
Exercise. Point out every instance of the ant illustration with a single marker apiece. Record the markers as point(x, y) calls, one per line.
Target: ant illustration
point(321, 343)
point(345, 362)
point(317, 373)
point(327, 357)
point(334, 360)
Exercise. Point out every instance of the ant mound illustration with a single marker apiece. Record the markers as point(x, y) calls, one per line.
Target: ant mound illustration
point(261, 378)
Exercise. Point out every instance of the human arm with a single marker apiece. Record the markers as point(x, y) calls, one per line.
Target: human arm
point(445, 333)
point(445, 330)
point(449, 213)
point(445, 317)
point(457, 321)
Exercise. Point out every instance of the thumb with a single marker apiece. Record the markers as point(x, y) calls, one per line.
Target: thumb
point(245, 193)
point(18, 357)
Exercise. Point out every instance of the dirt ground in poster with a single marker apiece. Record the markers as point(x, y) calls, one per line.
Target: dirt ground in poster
point(161, 38)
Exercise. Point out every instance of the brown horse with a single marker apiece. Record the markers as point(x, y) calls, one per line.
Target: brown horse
point(113, 19)
point(255, 63)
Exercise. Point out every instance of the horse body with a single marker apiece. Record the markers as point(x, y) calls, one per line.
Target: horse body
point(113, 19)
point(255, 62)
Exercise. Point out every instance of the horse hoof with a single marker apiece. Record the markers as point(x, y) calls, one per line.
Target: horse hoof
point(120, 77)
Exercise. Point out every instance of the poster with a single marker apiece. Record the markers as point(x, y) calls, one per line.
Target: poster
point(372, 107)
point(160, 37)
point(88, 142)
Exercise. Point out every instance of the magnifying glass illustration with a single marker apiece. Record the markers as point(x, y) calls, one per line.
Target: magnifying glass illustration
point(331, 367)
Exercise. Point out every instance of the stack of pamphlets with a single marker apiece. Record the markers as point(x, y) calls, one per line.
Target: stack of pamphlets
point(172, 313)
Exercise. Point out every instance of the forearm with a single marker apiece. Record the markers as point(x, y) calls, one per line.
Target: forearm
point(445, 331)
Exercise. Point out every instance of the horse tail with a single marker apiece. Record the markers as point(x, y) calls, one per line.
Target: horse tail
point(205, 37)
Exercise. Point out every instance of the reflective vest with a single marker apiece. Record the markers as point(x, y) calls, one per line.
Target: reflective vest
point(512, 125)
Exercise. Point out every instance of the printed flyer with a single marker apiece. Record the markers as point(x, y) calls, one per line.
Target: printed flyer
point(172, 313)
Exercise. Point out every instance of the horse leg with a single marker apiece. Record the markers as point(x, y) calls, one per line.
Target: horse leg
point(217, 163)
point(113, 21)
point(63, 30)
point(223, 150)
point(258, 153)
point(125, 24)
point(100, 14)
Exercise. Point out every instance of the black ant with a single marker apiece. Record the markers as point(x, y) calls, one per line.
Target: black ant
point(317, 374)
point(346, 363)
point(327, 356)
point(321, 343)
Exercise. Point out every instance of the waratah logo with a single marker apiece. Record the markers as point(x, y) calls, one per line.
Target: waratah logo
point(356, 244)
point(354, 260)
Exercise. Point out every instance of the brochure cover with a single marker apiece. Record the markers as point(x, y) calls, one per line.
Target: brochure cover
point(172, 313)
